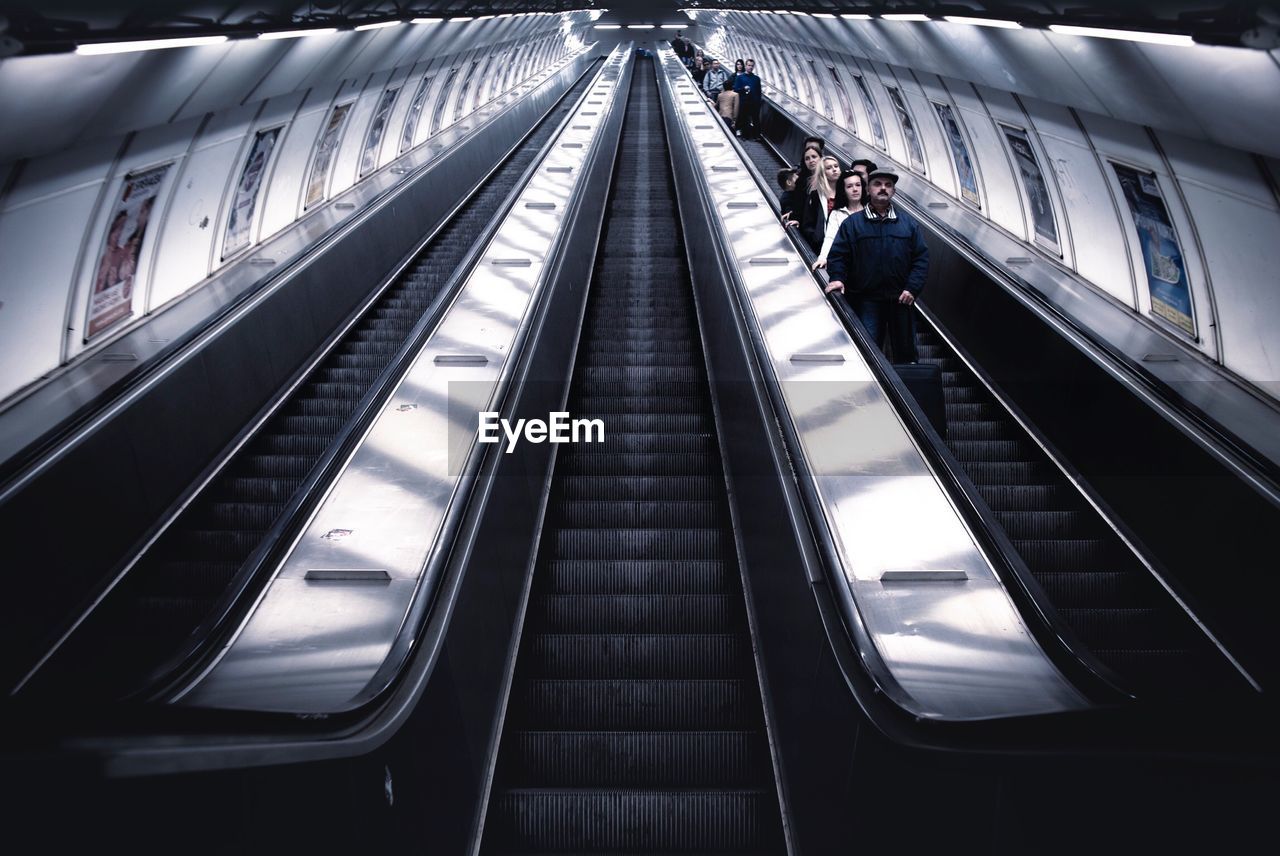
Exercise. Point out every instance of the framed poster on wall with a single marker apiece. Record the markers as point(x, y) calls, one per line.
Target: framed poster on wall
point(377, 127)
point(965, 172)
point(914, 150)
point(245, 200)
point(1033, 184)
point(114, 277)
point(1167, 282)
point(326, 149)
point(873, 114)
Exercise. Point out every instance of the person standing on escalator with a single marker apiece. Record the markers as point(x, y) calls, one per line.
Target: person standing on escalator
point(879, 262)
point(747, 85)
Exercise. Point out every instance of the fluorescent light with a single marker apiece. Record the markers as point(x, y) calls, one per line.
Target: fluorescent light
point(673, 26)
point(1126, 35)
point(100, 48)
point(608, 26)
point(856, 16)
point(461, 18)
point(377, 26)
point(639, 26)
point(905, 16)
point(983, 22)
point(426, 20)
point(822, 14)
point(297, 34)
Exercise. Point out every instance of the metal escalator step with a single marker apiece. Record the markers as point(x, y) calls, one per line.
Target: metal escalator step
point(1093, 589)
point(639, 656)
point(1114, 627)
point(665, 389)
point(581, 463)
point(1045, 524)
point(1009, 472)
point(255, 488)
point(991, 450)
point(1032, 497)
point(635, 613)
point(241, 515)
point(313, 445)
point(640, 488)
point(651, 442)
point(649, 422)
point(642, 514)
point(642, 374)
point(639, 821)
point(631, 759)
point(639, 404)
point(637, 576)
point(1084, 554)
point(282, 466)
point(216, 545)
point(327, 426)
point(643, 544)
point(339, 408)
point(964, 394)
point(964, 411)
point(638, 705)
point(203, 580)
point(974, 429)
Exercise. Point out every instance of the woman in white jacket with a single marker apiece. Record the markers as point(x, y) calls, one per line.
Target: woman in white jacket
point(851, 193)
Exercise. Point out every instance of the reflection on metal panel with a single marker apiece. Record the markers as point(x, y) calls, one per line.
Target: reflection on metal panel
point(822, 90)
point(941, 623)
point(322, 161)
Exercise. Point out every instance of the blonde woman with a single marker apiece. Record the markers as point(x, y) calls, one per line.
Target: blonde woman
point(851, 195)
point(823, 176)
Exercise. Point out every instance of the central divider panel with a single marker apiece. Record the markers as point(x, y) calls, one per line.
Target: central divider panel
point(635, 719)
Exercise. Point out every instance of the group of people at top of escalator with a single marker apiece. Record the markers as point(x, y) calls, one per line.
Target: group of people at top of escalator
point(736, 94)
point(873, 252)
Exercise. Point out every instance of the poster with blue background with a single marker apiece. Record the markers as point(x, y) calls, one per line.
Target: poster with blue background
point(1161, 254)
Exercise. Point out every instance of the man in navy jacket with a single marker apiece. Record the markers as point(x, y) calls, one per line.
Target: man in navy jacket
point(879, 262)
point(747, 85)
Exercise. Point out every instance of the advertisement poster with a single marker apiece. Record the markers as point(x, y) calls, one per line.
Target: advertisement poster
point(377, 127)
point(843, 95)
point(111, 299)
point(908, 130)
point(245, 200)
point(461, 104)
point(1162, 255)
point(960, 152)
point(1033, 183)
point(873, 113)
point(415, 114)
point(822, 90)
point(325, 151)
point(438, 113)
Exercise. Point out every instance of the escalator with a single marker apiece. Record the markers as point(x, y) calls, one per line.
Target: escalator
point(1098, 587)
point(634, 720)
point(185, 574)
